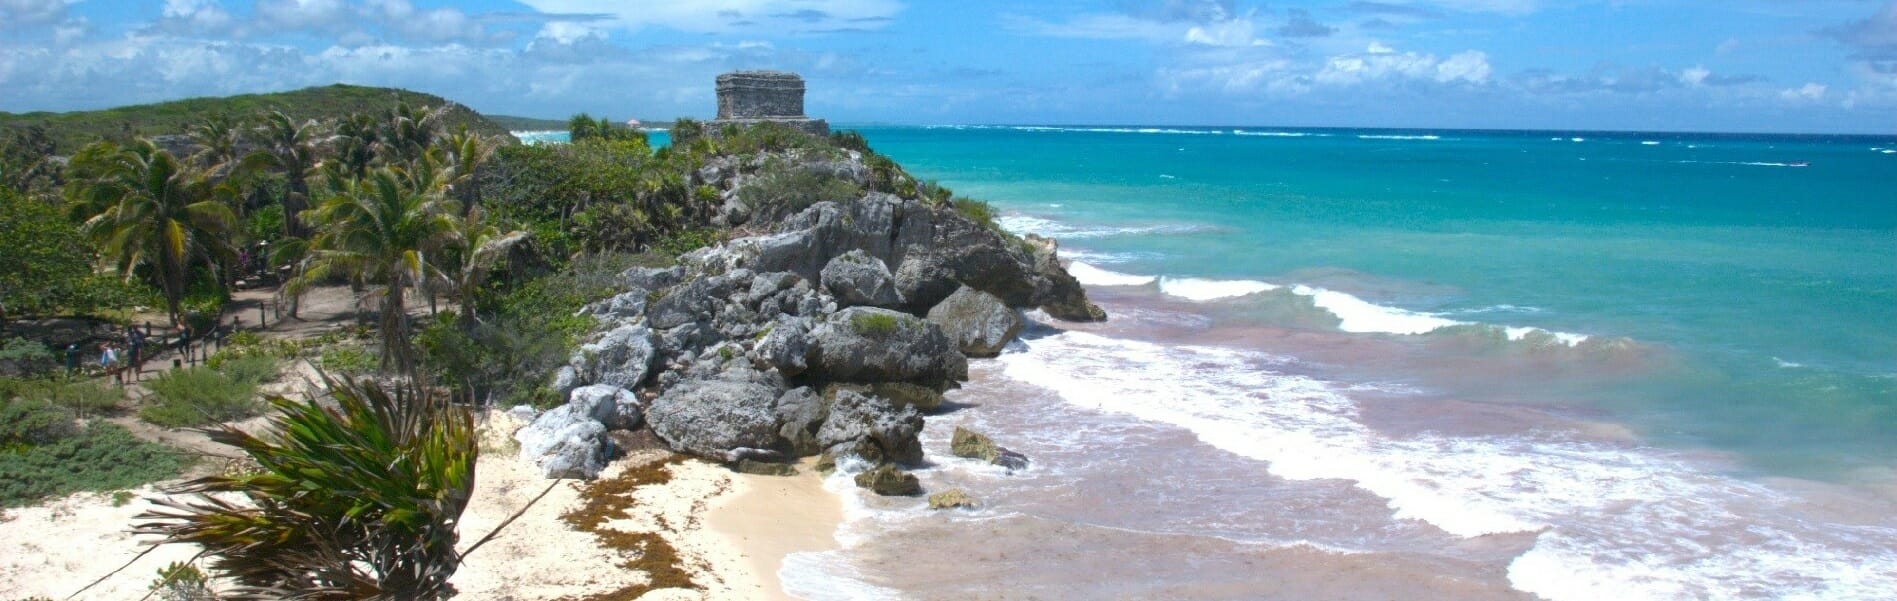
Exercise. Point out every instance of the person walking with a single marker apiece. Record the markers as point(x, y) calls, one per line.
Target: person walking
point(109, 362)
point(135, 343)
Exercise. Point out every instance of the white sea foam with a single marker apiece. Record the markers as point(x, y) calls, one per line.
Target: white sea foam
point(1028, 224)
point(1165, 176)
point(1889, 151)
point(1276, 134)
point(1613, 521)
point(1577, 139)
point(1745, 163)
point(1649, 143)
point(1200, 289)
point(1094, 276)
point(1396, 137)
point(1787, 364)
point(827, 576)
point(1359, 315)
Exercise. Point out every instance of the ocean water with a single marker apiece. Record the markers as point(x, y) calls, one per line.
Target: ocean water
point(1451, 364)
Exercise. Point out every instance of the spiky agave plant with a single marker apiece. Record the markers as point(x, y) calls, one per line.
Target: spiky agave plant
point(355, 499)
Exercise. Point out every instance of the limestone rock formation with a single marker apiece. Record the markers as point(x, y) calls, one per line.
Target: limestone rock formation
point(565, 443)
point(711, 417)
point(856, 278)
point(979, 323)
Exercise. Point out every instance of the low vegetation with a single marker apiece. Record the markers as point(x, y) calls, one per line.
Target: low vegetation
point(45, 453)
point(197, 396)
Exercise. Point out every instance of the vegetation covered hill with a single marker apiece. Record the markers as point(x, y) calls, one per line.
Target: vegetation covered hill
point(72, 130)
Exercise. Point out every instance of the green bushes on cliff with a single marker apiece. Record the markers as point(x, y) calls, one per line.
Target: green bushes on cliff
point(45, 453)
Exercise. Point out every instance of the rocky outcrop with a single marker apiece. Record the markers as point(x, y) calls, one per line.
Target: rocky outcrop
point(979, 323)
point(805, 338)
point(865, 344)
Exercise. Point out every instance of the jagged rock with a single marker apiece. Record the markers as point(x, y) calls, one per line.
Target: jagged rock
point(565, 443)
point(951, 499)
point(621, 357)
point(613, 406)
point(865, 344)
point(709, 418)
point(652, 278)
point(565, 380)
point(856, 278)
point(969, 444)
point(1064, 298)
point(764, 468)
point(979, 323)
point(871, 428)
point(889, 481)
point(787, 346)
point(624, 306)
point(800, 414)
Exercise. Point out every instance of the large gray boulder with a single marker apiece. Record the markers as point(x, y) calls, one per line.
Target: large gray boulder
point(710, 418)
point(866, 344)
point(979, 323)
point(565, 442)
point(856, 278)
point(871, 428)
point(621, 357)
point(615, 407)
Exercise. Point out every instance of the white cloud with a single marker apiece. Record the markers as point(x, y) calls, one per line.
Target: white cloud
point(1810, 92)
point(1695, 75)
point(1382, 62)
point(21, 14)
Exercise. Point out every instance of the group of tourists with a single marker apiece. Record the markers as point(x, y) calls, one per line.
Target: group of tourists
point(125, 352)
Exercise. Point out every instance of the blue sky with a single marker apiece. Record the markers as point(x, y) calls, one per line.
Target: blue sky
point(1732, 65)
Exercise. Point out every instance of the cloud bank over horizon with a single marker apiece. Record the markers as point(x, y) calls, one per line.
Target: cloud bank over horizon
point(1738, 65)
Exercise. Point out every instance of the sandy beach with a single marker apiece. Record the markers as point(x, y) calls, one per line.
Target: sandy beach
point(731, 532)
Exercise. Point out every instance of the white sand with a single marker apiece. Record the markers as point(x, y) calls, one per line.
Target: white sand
point(55, 549)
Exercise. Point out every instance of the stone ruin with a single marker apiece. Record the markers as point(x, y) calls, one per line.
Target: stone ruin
point(752, 97)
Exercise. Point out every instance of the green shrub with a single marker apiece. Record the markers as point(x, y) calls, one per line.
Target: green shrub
point(256, 369)
point(874, 324)
point(182, 582)
point(784, 189)
point(102, 456)
point(78, 397)
point(197, 396)
point(348, 359)
point(28, 423)
point(978, 212)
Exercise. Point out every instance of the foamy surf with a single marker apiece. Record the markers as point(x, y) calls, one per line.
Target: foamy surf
point(1029, 224)
point(1094, 276)
point(1612, 520)
point(1199, 289)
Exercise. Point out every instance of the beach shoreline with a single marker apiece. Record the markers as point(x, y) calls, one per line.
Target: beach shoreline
point(767, 518)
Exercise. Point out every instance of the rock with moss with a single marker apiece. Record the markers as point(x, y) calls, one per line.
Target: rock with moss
point(889, 481)
point(979, 323)
point(856, 278)
point(865, 344)
point(763, 468)
point(951, 499)
point(969, 444)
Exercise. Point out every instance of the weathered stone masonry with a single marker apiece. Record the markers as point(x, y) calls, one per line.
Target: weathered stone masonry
point(749, 97)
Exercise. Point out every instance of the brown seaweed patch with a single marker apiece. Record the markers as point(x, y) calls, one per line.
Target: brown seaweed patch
point(611, 499)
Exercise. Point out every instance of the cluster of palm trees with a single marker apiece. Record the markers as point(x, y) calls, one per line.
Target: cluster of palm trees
point(385, 202)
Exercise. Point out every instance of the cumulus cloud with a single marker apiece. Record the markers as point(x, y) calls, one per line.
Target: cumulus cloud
point(1380, 62)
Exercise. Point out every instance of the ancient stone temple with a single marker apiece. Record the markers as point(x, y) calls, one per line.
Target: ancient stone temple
point(748, 97)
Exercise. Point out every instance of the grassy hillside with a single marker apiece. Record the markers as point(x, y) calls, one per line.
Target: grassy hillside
point(75, 129)
point(527, 123)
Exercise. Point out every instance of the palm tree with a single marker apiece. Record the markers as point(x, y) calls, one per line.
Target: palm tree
point(293, 148)
point(146, 209)
point(408, 131)
point(482, 247)
point(354, 145)
point(217, 138)
point(385, 230)
point(359, 498)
